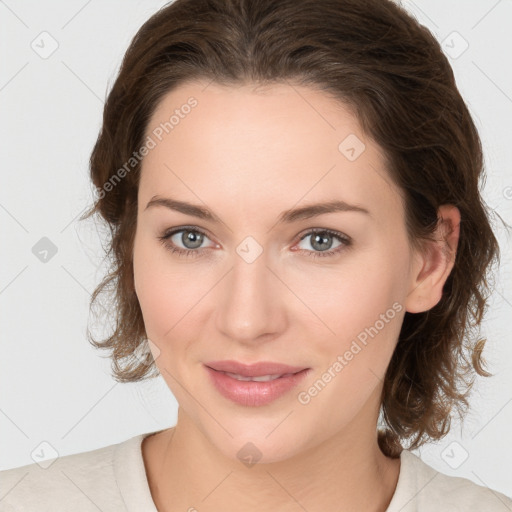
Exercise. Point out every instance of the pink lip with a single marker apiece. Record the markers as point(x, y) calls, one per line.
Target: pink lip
point(254, 394)
point(253, 370)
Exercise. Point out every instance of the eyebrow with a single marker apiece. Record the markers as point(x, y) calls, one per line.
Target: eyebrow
point(288, 216)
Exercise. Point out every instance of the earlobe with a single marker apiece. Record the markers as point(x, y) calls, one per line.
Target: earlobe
point(435, 262)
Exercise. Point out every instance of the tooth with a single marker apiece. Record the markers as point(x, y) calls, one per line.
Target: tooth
point(262, 378)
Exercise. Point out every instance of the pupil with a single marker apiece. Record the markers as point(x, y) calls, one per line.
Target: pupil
point(322, 240)
point(192, 237)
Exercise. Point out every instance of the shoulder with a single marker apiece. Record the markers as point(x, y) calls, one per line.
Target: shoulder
point(423, 489)
point(79, 482)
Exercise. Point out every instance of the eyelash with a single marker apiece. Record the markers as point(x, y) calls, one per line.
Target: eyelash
point(345, 242)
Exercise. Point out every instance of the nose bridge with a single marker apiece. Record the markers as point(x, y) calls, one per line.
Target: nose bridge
point(250, 304)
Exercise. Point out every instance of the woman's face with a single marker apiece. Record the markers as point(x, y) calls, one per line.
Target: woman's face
point(257, 283)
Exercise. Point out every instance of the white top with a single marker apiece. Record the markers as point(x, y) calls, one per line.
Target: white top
point(113, 479)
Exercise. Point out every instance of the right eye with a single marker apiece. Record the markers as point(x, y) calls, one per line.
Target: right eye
point(191, 238)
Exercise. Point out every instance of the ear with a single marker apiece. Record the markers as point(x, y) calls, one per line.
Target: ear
point(433, 264)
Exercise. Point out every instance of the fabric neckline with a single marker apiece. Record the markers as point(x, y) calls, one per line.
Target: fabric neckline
point(130, 474)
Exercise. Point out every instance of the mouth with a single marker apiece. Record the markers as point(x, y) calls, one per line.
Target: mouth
point(254, 390)
point(267, 369)
point(260, 378)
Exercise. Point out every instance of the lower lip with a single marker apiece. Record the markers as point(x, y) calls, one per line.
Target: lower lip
point(251, 393)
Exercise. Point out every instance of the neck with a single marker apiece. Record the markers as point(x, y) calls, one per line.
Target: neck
point(346, 472)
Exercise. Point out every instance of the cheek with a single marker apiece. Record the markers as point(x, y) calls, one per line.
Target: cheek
point(155, 288)
point(364, 312)
point(357, 309)
point(346, 300)
point(168, 292)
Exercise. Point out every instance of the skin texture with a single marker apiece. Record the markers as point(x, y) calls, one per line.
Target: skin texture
point(248, 154)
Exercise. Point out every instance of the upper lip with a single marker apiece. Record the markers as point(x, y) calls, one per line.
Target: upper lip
point(254, 370)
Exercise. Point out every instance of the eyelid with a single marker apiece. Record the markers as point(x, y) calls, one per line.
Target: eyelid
point(333, 232)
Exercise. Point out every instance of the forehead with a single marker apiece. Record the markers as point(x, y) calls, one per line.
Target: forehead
point(246, 147)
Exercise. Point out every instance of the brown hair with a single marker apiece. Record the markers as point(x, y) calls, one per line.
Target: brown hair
point(376, 58)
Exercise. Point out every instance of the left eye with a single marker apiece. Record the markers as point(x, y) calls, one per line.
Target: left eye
point(320, 238)
point(322, 241)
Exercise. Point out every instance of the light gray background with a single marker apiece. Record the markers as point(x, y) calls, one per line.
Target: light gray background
point(55, 387)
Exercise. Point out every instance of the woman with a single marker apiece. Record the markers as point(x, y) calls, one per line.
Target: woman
point(300, 250)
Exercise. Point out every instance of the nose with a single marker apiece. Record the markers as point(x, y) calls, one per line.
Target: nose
point(251, 302)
